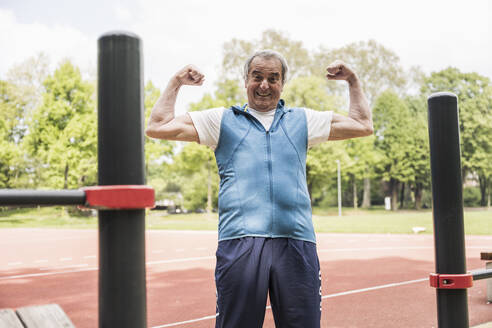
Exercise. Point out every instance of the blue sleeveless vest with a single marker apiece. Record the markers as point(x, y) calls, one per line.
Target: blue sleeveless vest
point(263, 190)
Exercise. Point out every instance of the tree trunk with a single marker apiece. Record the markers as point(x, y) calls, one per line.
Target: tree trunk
point(402, 195)
point(488, 199)
point(483, 190)
point(366, 198)
point(394, 194)
point(209, 186)
point(65, 183)
point(418, 196)
point(355, 193)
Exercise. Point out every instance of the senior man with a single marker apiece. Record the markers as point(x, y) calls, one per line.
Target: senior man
point(267, 243)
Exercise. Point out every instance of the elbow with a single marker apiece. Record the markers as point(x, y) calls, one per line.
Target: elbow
point(148, 132)
point(151, 131)
point(369, 130)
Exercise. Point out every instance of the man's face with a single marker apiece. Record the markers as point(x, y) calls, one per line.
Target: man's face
point(264, 84)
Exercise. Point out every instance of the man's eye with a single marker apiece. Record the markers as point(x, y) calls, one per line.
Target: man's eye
point(272, 80)
point(257, 78)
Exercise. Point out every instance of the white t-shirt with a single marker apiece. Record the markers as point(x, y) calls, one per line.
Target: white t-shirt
point(207, 124)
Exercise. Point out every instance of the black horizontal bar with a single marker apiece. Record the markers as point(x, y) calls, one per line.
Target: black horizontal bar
point(9, 197)
point(481, 274)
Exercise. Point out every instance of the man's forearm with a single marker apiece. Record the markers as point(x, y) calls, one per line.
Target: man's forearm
point(163, 111)
point(359, 109)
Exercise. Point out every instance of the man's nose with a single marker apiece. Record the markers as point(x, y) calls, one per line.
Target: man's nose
point(264, 84)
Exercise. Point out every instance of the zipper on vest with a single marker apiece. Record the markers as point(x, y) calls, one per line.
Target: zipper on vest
point(269, 156)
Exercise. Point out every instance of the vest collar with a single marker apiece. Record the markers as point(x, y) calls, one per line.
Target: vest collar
point(279, 113)
point(244, 108)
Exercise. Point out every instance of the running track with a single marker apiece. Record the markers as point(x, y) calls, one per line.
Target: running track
point(367, 280)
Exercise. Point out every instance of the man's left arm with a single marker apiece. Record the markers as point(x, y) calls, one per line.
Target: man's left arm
point(358, 123)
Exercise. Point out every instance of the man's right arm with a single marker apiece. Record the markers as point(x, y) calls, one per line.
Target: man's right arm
point(163, 124)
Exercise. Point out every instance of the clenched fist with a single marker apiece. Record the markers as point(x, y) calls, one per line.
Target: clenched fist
point(339, 71)
point(190, 75)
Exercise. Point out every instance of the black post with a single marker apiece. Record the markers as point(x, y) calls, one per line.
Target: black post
point(447, 206)
point(122, 291)
point(26, 197)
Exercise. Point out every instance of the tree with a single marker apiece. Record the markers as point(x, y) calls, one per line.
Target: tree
point(475, 111)
point(62, 137)
point(420, 156)
point(19, 94)
point(28, 77)
point(394, 140)
point(194, 163)
point(362, 155)
point(12, 131)
point(235, 53)
point(377, 67)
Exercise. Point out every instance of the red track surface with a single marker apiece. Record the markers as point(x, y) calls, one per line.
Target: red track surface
point(39, 266)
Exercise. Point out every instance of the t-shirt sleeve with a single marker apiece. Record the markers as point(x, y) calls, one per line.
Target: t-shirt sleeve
point(207, 124)
point(318, 125)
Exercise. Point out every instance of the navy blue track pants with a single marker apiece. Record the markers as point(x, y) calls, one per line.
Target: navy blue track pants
point(250, 268)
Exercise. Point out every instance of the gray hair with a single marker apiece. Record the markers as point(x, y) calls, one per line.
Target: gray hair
point(267, 54)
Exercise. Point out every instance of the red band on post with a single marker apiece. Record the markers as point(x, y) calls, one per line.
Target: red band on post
point(451, 281)
point(125, 197)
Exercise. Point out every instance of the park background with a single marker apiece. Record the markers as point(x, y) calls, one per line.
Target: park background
point(401, 52)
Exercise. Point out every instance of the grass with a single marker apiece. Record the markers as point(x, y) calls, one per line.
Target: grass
point(45, 217)
point(376, 220)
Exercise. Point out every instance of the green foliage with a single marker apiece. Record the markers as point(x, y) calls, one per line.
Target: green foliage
point(360, 221)
point(393, 138)
point(475, 109)
point(228, 93)
point(196, 165)
point(377, 67)
point(310, 92)
point(471, 196)
point(237, 51)
point(48, 126)
point(62, 132)
point(12, 130)
point(321, 168)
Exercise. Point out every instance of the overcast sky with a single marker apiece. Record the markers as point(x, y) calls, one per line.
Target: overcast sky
point(431, 34)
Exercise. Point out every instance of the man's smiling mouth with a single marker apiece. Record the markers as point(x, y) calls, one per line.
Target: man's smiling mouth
point(265, 95)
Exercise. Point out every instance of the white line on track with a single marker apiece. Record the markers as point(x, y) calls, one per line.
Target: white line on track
point(95, 268)
point(43, 240)
point(187, 321)
point(65, 267)
point(158, 251)
point(388, 248)
point(182, 260)
point(373, 248)
point(63, 259)
point(90, 257)
point(14, 263)
point(396, 284)
point(349, 292)
point(31, 275)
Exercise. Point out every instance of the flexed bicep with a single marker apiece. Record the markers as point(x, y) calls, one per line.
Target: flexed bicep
point(344, 127)
point(180, 128)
